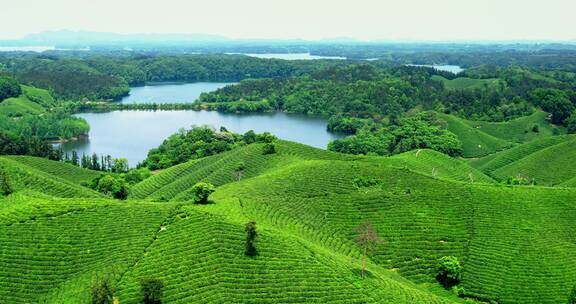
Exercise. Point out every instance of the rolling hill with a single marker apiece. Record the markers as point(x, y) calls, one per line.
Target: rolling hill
point(475, 142)
point(492, 162)
point(516, 244)
point(521, 129)
point(549, 166)
point(482, 138)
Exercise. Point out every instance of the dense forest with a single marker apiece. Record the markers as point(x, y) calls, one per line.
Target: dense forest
point(107, 74)
point(108, 77)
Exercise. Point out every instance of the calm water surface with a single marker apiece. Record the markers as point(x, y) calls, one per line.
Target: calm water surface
point(171, 93)
point(442, 67)
point(290, 56)
point(131, 134)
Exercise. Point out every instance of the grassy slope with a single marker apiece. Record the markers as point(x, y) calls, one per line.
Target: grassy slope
point(475, 142)
point(174, 182)
point(549, 166)
point(430, 162)
point(495, 161)
point(518, 130)
point(516, 243)
point(32, 101)
point(61, 170)
point(25, 177)
point(422, 219)
point(461, 83)
point(39, 96)
point(53, 249)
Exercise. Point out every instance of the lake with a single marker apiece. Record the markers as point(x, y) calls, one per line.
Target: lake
point(131, 134)
point(171, 92)
point(289, 56)
point(442, 67)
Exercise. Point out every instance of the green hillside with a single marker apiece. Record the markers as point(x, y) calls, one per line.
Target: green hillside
point(516, 244)
point(25, 177)
point(481, 138)
point(461, 83)
point(32, 101)
point(422, 219)
point(220, 169)
point(430, 162)
point(549, 166)
point(495, 161)
point(475, 142)
point(519, 130)
point(61, 170)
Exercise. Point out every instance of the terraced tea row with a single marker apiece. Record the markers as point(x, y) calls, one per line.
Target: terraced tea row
point(227, 167)
point(422, 219)
point(549, 166)
point(62, 170)
point(436, 164)
point(201, 259)
point(54, 257)
point(475, 142)
point(24, 177)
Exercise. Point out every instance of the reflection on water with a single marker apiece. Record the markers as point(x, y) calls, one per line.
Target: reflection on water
point(290, 56)
point(171, 93)
point(131, 134)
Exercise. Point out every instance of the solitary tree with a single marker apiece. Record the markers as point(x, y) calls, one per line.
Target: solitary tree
point(113, 185)
point(367, 239)
point(151, 291)
point(251, 236)
point(202, 191)
point(449, 271)
point(102, 292)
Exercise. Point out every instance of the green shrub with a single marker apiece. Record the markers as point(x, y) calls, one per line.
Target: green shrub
point(458, 290)
point(135, 176)
point(517, 180)
point(449, 271)
point(151, 290)
point(201, 191)
point(251, 235)
point(365, 181)
point(102, 292)
point(240, 166)
point(269, 148)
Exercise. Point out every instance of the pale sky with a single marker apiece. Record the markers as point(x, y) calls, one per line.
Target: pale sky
point(306, 19)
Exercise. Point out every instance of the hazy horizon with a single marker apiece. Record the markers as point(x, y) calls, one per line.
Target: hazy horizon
point(363, 20)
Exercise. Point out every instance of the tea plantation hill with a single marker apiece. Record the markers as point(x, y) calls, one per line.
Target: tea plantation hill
point(482, 138)
point(547, 161)
point(516, 243)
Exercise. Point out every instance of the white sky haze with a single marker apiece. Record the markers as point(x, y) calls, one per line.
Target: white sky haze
point(305, 19)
